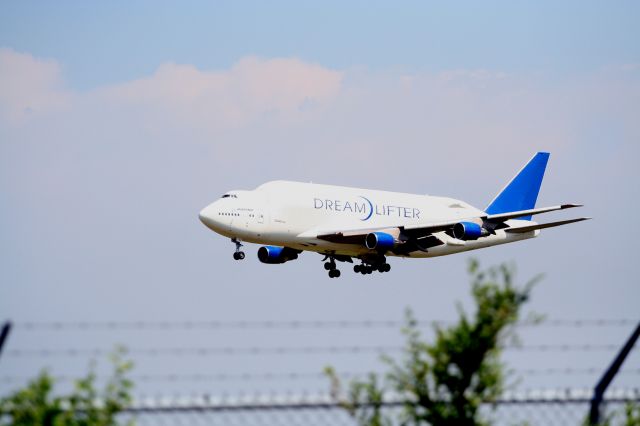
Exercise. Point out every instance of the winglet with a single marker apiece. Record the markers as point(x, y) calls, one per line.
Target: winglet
point(522, 191)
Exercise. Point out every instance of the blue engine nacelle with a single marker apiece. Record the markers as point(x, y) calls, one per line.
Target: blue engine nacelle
point(379, 241)
point(274, 254)
point(468, 231)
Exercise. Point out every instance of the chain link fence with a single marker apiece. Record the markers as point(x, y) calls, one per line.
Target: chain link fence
point(548, 407)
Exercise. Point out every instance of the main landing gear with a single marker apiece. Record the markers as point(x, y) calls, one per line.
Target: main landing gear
point(366, 269)
point(331, 267)
point(238, 255)
point(368, 265)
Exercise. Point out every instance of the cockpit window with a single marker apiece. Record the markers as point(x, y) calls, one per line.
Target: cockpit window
point(229, 196)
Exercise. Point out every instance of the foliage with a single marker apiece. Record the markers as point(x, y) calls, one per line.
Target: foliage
point(632, 414)
point(36, 404)
point(629, 415)
point(444, 382)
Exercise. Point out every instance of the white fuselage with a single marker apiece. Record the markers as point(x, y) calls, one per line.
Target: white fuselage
point(293, 214)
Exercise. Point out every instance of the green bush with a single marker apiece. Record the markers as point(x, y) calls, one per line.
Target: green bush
point(444, 382)
point(37, 404)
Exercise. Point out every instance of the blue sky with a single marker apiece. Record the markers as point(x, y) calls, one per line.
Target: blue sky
point(112, 41)
point(119, 121)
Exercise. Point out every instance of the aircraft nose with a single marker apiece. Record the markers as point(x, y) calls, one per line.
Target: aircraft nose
point(207, 216)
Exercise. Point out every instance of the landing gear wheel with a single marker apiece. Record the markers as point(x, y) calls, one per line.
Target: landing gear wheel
point(385, 267)
point(330, 265)
point(356, 268)
point(365, 269)
point(238, 255)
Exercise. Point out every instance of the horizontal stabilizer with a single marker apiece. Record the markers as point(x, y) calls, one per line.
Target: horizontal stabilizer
point(513, 215)
point(523, 229)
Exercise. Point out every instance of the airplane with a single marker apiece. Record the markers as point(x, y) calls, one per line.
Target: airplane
point(347, 224)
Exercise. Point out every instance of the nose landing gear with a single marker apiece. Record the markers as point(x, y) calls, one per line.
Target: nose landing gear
point(238, 255)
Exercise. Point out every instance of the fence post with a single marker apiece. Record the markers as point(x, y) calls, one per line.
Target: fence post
point(6, 328)
point(607, 377)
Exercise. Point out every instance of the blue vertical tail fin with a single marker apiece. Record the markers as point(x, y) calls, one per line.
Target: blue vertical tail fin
point(522, 192)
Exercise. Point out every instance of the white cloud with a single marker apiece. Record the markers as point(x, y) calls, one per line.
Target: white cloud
point(178, 93)
point(371, 128)
point(230, 98)
point(29, 86)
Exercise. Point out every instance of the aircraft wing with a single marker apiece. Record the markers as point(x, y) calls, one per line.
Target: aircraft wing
point(490, 222)
point(494, 219)
point(424, 231)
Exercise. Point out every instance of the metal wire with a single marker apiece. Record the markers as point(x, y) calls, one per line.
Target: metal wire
point(279, 350)
point(294, 325)
point(294, 376)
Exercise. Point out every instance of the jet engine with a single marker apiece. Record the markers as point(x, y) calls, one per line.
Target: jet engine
point(379, 241)
point(468, 231)
point(274, 254)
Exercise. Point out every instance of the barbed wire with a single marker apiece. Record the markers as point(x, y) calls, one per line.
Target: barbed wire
point(570, 371)
point(280, 350)
point(293, 376)
point(295, 324)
